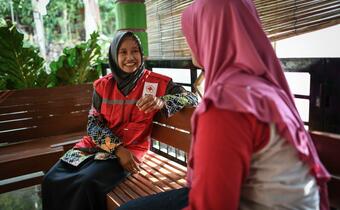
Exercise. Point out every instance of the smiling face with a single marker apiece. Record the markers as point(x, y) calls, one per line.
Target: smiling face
point(129, 55)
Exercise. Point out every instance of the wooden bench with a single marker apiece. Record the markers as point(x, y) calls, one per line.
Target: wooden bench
point(31, 120)
point(160, 174)
point(328, 147)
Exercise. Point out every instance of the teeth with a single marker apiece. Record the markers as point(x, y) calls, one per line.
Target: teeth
point(129, 64)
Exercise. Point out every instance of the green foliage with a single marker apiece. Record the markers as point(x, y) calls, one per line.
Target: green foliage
point(64, 26)
point(20, 67)
point(64, 21)
point(79, 64)
point(22, 9)
point(3, 23)
point(108, 17)
point(4, 9)
point(2, 83)
point(23, 199)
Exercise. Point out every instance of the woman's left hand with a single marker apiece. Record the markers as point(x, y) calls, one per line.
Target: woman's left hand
point(150, 103)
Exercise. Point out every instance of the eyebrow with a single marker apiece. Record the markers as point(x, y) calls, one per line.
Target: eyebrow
point(134, 48)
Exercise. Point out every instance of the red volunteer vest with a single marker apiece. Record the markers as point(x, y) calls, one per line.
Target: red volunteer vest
point(121, 113)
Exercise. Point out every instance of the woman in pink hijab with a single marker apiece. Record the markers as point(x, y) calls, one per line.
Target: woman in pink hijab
point(250, 149)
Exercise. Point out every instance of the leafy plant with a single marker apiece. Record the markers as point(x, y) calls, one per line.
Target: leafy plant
point(20, 67)
point(79, 64)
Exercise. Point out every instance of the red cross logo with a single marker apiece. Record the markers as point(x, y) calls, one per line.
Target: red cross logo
point(149, 89)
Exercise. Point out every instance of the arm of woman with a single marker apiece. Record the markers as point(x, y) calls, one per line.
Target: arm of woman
point(176, 98)
point(97, 128)
point(222, 155)
point(106, 139)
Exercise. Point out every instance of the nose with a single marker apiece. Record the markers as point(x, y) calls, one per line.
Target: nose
point(130, 56)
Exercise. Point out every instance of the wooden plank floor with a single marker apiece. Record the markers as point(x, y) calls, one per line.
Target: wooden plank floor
point(158, 174)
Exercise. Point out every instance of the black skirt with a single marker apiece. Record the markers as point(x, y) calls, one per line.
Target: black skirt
point(66, 187)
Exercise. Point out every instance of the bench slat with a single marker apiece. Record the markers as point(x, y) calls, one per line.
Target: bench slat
point(135, 188)
point(151, 179)
point(129, 191)
point(54, 106)
point(31, 129)
point(171, 176)
point(67, 144)
point(170, 173)
point(20, 184)
point(145, 184)
point(31, 95)
point(172, 164)
point(29, 159)
point(121, 194)
point(179, 120)
point(4, 116)
point(43, 111)
point(166, 165)
point(171, 137)
point(113, 201)
point(155, 178)
point(39, 120)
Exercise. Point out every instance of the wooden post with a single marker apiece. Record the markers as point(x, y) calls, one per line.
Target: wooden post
point(131, 15)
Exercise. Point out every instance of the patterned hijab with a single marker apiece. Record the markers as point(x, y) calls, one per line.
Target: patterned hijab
point(243, 73)
point(125, 81)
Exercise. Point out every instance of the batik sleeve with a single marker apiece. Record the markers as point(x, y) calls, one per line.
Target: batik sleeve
point(177, 98)
point(97, 127)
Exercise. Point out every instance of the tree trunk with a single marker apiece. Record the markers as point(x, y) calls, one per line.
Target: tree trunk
point(39, 9)
point(92, 17)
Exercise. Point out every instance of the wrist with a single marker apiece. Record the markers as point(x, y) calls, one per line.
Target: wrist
point(161, 103)
point(117, 147)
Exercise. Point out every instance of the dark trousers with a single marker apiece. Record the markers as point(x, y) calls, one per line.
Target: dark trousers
point(170, 200)
point(66, 187)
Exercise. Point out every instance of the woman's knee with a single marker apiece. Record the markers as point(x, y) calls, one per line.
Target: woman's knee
point(48, 181)
point(51, 175)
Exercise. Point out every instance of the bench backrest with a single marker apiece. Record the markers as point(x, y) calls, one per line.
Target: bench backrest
point(328, 147)
point(33, 113)
point(174, 131)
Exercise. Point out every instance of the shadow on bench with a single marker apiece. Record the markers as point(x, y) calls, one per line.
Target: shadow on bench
point(31, 120)
point(160, 174)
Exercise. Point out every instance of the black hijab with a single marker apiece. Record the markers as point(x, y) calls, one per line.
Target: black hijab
point(125, 81)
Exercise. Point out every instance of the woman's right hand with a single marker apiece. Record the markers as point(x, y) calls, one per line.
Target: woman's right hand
point(126, 159)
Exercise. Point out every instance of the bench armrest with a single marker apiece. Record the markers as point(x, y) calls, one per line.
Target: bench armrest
point(66, 145)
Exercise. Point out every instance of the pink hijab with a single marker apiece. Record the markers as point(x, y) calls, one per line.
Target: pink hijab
point(243, 74)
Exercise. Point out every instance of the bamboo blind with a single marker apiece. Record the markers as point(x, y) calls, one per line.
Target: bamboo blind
point(280, 19)
point(286, 18)
point(164, 28)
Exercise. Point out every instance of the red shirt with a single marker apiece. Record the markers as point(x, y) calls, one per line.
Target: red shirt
point(225, 142)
